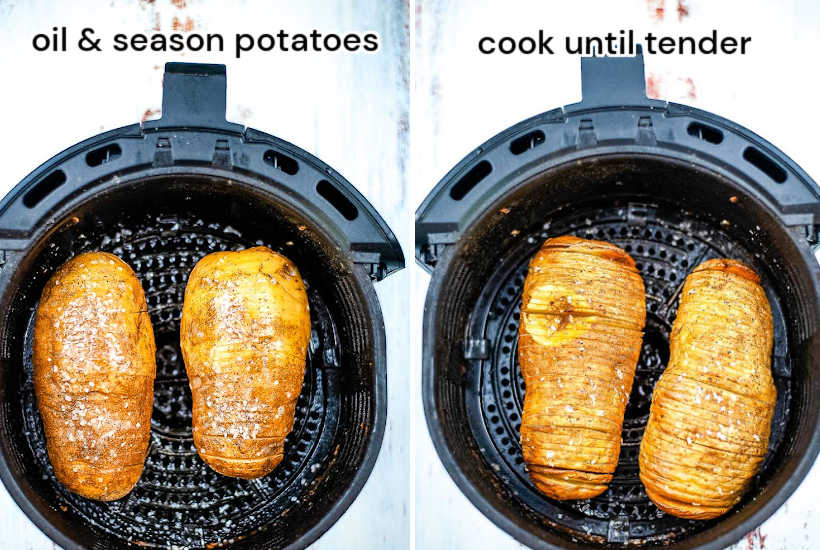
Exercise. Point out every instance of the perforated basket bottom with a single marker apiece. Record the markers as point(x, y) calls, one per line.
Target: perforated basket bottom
point(666, 246)
point(179, 501)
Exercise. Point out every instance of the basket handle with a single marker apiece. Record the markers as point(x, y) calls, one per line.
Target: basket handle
point(193, 96)
point(607, 81)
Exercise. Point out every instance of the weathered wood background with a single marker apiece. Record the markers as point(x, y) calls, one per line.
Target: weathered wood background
point(461, 98)
point(351, 110)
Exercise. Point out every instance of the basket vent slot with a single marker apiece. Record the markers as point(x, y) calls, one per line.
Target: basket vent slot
point(336, 198)
point(526, 142)
point(765, 164)
point(43, 188)
point(281, 162)
point(704, 132)
point(105, 154)
point(471, 179)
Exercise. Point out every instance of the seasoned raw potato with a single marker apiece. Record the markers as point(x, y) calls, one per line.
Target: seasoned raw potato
point(579, 339)
point(712, 408)
point(244, 335)
point(94, 367)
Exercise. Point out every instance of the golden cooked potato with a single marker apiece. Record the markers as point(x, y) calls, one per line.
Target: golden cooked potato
point(94, 368)
point(579, 339)
point(712, 408)
point(244, 335)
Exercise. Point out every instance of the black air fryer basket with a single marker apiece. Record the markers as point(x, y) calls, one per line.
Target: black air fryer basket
point(671, 185)
point(161, 196)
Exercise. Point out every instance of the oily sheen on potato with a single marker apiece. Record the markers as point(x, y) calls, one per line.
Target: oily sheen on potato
point(244, 335)
point(580, 333)
point(712, 408)
point(94, 367)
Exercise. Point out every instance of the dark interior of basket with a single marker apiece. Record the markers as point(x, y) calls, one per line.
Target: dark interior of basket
point(669, 217)
point(162, 227)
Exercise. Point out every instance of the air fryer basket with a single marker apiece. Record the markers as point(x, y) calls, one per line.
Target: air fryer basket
point(162, 196)
point(671, 185)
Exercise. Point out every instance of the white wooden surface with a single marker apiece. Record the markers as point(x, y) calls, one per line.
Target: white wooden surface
point(352, 111)
point(349, 110)
point(460, 98)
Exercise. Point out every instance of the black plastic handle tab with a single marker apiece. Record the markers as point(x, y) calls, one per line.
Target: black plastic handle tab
point(193, 96)
point(607, 81)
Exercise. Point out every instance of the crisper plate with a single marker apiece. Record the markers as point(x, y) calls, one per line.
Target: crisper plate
point(666, 245)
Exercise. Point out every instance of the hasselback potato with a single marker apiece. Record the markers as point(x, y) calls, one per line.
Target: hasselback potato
point(712, 408)
point(94, 367)
point(244, 336)
point(580, 333)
